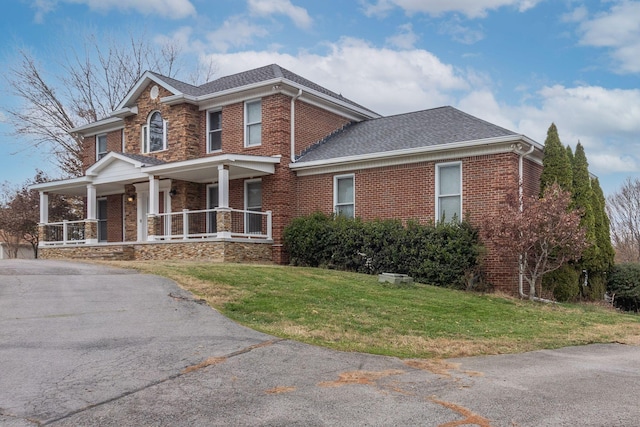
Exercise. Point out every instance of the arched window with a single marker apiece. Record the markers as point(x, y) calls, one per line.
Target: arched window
point(154, 133)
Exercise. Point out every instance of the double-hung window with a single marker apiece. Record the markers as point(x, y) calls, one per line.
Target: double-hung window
point(214, 131)
point(344, 195)
point(154, 133)
point(101, 146)
point(252, 123)
point(448, 191)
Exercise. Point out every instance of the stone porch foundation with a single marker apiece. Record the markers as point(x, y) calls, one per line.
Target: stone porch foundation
point(212, 251)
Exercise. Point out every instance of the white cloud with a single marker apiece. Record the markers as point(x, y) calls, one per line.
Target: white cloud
point(297, 14)
point(174, 9)
point(235, 32)
point(384, 80)
point(461, 33)
point(404, 39)
point(578, 14)
point(469, 8)
point(617, 30)
point(605, 121)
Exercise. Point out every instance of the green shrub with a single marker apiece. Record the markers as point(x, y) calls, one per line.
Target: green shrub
point(444, 254)
point(624, 286)
point(564, 283)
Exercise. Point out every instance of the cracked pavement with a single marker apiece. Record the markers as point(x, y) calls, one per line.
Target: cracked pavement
point(84, 345)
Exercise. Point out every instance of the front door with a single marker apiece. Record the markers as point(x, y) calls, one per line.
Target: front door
point(143, 210)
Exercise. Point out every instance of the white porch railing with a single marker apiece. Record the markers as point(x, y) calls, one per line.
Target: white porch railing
point(64, 233)
point(197, 224)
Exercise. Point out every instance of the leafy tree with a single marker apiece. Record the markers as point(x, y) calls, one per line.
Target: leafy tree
point(606, 258)
point(556, 163)
point(542, 232)
point(20, 213)
point(90, 83)
point(623, 208)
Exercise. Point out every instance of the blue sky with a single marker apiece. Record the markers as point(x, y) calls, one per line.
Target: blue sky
point(521, 64)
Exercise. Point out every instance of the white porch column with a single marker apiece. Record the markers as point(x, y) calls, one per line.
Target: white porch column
point(91, 222)
point(223, 186)
point(44, 207)
point(92, 201)
point(154, 195)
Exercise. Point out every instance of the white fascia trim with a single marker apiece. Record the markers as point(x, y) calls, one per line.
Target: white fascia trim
point(142, 81)
point(268, 84)
point(54, 186)
point(125, 112)
point(106, 125)
point(213, 160)
point(412, 155)
point(112, 156)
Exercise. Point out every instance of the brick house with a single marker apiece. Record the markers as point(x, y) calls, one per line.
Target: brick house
point(215, 172)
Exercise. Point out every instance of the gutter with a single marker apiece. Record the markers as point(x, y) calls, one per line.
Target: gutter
point(522, 155)
point(293, 127)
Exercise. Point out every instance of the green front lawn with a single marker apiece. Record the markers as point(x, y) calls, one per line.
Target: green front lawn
point(353, 312)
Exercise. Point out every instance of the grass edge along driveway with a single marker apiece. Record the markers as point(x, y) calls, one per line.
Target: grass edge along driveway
point(353, 312)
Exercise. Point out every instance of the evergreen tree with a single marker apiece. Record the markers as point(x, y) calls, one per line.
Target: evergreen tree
point(556, 164)
point(570, 157)
point(602, 232)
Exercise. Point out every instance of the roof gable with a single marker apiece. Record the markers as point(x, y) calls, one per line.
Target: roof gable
point(174, 86)
point(117, 165)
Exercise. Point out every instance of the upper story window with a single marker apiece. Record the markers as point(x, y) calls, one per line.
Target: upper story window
point(344, 195)
point(154, 133)
point(214, 131)
point(101, 146)
point(448, 191)
point(252, 123)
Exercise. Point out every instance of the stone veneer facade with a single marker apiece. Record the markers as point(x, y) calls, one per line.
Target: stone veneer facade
point(205, 250)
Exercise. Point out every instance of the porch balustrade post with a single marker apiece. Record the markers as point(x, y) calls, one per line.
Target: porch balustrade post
point(185, 223)
point(152, 226)
point(223, 222)
point(64, 231)
point(90, 231)
point(269, 224)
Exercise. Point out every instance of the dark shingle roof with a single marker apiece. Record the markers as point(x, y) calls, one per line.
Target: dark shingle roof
point(245, 78)
point(146, 160)
point(438, 126)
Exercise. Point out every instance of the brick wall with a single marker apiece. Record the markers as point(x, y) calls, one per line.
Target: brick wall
point(408, 192)
point(114, 218)
point(183, 121)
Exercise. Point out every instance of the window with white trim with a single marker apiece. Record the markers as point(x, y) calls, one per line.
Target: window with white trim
point(154, 133)
point(214, 131)
point(252, 123)
point(344, 195)
point(449, 192)
point(101, 146)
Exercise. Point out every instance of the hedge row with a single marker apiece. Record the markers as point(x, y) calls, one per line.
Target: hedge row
point(439, 254)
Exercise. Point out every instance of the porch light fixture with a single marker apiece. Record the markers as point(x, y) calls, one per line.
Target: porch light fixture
point(131, 198)
point(173, 192)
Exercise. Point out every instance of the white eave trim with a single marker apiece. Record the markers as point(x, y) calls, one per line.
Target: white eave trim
point(415, 155)
point(54, 186)
point(142, 82)
point(125, 112)
point(224, 159)
point(101, 126)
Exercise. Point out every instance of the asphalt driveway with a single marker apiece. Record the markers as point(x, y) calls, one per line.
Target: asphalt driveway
point(85, 345)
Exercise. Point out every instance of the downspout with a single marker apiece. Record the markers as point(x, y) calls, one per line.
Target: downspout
point(293, 125)
point(521, 206)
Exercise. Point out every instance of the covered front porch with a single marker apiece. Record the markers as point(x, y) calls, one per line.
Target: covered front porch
point(140, 208)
